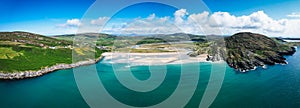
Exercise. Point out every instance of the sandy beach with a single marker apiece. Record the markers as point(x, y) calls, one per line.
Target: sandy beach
point(133, 59)
point(151, 58)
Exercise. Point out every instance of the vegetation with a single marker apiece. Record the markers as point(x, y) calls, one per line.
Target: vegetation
point(31, 39)
point(150, 40)
point(244, 50)
point(34, 58)
point(247, 50)
point(8, 53)
point(201, 48)
point(22, 51)
point(100, 39)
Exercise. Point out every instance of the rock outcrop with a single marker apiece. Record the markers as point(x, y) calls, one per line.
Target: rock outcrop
point(246, 51)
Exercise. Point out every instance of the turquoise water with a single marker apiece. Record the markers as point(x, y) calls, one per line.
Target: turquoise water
point(276, 86)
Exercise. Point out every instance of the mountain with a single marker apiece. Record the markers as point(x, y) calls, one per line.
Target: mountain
point(247, 50)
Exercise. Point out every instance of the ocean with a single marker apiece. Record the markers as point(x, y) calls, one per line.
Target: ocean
point(276, 86)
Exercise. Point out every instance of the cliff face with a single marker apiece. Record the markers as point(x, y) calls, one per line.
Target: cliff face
point(247, 50)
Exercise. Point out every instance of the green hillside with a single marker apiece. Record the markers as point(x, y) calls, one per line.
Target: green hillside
point(22, 51)
point(247, 50)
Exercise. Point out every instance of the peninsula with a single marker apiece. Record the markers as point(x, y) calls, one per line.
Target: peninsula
point(246, 51)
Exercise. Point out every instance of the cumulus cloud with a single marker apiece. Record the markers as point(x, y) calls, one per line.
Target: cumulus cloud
point(294, 15)
point(179, 15)
point(199, 18)
point(151, 17)
point(256, 20)
point(219, 23)
point(71, 23)
point(203, 23)
point(100, 21)
point(206, 23)
point(149, 25)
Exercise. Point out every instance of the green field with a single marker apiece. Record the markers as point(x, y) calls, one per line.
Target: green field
point(15, 58)
point(8, 53)
point(22, 51)
point(33, 58)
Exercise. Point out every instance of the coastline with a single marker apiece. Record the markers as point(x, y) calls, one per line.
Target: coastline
point(133, 59)
point(265, 65)
point(32, 74)
point(136, 59)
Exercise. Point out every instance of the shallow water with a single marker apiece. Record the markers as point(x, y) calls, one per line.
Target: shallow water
point(276, 86)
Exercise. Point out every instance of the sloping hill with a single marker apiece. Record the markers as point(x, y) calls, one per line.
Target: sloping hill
point(32, 39)
point(248, 50)
point(100, 38)
point(23, 51)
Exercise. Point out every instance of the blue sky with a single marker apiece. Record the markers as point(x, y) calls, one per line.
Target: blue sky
point(274, 8)
point(51, 17)
point(32, 10)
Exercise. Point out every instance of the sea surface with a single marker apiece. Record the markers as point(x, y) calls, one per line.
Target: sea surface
point(276, 86)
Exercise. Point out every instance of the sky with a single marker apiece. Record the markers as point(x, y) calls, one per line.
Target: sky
point(224, 17)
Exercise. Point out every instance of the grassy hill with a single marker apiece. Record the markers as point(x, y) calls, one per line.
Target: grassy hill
point(99, 38)
point(247, 50)
point(22, 51)
point(32, 39)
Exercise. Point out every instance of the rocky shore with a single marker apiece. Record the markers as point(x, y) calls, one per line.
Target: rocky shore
point(32, 74)
point(246, 51)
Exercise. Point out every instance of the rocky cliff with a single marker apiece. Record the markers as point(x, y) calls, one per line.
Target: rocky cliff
point(247, 50)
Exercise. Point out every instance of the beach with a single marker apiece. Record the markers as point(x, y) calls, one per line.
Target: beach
point(136, 59)
point(133, 59)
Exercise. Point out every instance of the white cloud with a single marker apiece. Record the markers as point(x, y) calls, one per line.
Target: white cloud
point(179, 16)
point(150, 25)
point(218, 23)
point(221, 19)
point(151, 17)
point(294, 15)
point(230, 24)
point(100, 21)
point(206, 23)
point(200, 18)
point(292, 28)
point(256, 20)
point(71, 23)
